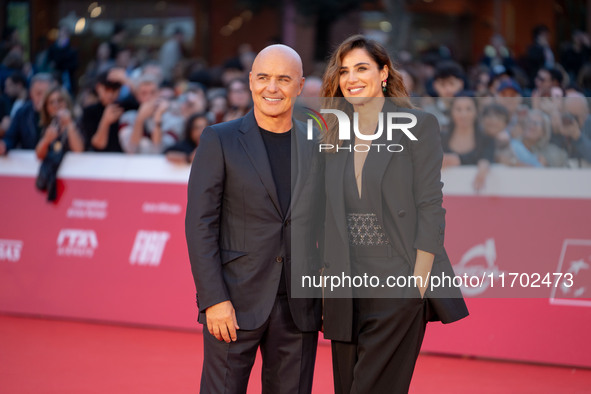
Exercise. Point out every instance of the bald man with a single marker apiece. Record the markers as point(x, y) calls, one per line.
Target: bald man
point(239, 235)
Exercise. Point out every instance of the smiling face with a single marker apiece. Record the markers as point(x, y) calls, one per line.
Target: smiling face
point(360, 76)
point(275, 81)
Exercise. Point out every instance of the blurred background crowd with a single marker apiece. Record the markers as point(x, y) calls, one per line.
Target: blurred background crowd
point(507, 79)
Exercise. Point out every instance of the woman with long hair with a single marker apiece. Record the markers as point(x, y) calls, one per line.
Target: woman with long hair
point(59, 131)
point(384, 221)
point(465, 143)
point(184, 151)
point(239, 100)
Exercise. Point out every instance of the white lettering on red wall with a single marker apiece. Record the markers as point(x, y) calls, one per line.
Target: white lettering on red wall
point(479, 261)
point(161, 207)
point(88, 209)
point(10, 250)
point(75, 242)
point(148, 247)
point(574, 273)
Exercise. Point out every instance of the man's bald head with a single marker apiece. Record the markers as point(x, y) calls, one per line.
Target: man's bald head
point(276, 80)
point(279, 52)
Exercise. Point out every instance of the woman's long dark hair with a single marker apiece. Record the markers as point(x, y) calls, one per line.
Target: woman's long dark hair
point(331, 91)
point(469, 95)
point(189, 125)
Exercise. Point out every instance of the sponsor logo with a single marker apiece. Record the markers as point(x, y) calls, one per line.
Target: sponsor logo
point(345, 129)
point(471, 265)
point(575, 264)
point(75, 242)
point(161, 207)
point(88, 209)
point(320, 121)
point(148, 247)
point(10, 250)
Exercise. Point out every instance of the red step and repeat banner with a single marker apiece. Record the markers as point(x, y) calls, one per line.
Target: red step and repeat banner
point(113, 249)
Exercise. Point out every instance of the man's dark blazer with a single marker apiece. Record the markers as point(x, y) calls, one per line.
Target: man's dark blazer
point(24, 131)
point(237, 236)
point(408, 207)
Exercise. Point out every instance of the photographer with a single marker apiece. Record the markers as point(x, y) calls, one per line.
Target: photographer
point(24, 130)
point(60, 133)
point(141, 130)
point(58, 136)
point(170, 118)
point(571, 123)
point(100, 122)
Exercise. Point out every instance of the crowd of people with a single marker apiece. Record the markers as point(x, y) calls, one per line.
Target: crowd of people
point(527, 111)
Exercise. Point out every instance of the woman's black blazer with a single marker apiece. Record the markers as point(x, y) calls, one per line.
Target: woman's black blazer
point(408, 205)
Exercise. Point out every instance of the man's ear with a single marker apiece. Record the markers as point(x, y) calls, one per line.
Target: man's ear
point(301, 85)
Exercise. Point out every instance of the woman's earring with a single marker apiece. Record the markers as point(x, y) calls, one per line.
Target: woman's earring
point(384, 83)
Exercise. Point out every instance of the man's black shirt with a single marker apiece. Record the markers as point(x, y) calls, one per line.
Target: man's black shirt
point(91, 117)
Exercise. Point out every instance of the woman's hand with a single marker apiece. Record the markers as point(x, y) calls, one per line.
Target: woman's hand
point(451, 160)
point(51, 134)
point(177, 157)
point(423, 265)
point(481, 175)
point(64, 118)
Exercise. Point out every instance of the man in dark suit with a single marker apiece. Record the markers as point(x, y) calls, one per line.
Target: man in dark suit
point(239, 231)
point(25, 131)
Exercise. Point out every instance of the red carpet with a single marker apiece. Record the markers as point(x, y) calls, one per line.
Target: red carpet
point(49, 356)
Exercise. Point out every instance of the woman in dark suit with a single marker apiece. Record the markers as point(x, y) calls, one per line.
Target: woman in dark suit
point(384, 219)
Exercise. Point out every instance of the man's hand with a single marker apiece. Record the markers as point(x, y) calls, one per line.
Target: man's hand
point(221, 321)
point(570, 130)
point(2, 148)
point(146, 110)
point(112, 113)
point(118, 74)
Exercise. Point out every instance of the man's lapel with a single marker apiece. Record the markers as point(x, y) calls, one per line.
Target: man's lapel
point(301, 159)
point(253, 144)
point(335, 173)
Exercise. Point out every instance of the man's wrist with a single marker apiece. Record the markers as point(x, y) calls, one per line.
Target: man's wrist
point(104, 123)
